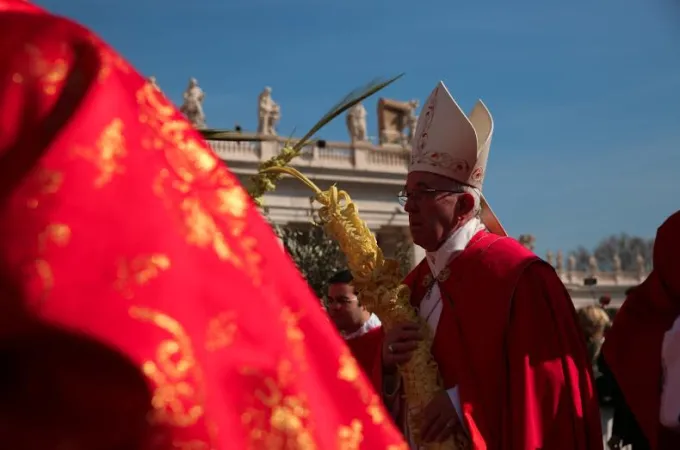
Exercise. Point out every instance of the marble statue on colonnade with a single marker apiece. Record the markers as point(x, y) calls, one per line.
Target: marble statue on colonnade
point(192, 107)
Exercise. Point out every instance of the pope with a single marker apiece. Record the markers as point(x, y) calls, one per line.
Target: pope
point(145, 302)
point(512, 359)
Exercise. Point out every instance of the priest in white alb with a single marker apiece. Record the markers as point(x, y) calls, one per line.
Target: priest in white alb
point(511, 356)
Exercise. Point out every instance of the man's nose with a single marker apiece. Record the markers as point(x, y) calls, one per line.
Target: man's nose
point(410, 205)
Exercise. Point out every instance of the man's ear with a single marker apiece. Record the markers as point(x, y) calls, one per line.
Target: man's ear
point(466, 203)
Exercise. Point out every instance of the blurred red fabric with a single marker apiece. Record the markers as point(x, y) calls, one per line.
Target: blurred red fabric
point(146, 303)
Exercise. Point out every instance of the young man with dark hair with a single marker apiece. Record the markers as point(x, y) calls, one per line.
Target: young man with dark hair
point(361, 329)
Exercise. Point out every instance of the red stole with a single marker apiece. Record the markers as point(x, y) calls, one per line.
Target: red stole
point(367, 350)
point(471, 347)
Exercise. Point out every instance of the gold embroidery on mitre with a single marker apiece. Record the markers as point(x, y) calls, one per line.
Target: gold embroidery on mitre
point(213, 206)
point(178, 398)
point(50, 74)
point(277, 418)
point(109, 150)
point(139, 271)
point(350, 437)
point(221, 331)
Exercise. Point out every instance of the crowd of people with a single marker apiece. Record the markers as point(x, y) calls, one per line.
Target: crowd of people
point(146, 304)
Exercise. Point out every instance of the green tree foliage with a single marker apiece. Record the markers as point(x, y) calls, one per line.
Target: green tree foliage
point(316, 256)
point(404, 255)
point(626, 246)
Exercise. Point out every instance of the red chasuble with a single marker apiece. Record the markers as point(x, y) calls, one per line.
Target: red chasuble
point(509, 338)
point(145, 304)
point(632, 348)
point(367, 350)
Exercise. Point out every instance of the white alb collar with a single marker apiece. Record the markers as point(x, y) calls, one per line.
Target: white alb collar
point(372, 323)
point(454, 245)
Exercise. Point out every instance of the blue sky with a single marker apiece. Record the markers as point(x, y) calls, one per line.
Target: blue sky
point(585, 95)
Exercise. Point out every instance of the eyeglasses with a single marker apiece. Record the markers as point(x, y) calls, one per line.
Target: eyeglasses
point(342, 301)
point(404, 195)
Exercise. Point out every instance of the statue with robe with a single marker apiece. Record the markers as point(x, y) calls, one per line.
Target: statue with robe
point(192, 107)
point(268, 113)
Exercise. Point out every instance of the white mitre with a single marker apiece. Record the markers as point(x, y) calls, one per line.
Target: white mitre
point(449, 143)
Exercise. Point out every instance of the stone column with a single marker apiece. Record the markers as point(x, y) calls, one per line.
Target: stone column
point(388, 241)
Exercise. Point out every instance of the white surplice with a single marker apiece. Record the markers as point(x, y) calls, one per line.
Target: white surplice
point(431, 305)
point(669, 414)
point(372, 323)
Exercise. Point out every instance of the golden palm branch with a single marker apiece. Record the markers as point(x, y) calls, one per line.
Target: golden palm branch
point(378, 281)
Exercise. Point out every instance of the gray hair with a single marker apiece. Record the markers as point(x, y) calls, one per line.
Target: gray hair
point(474, 192)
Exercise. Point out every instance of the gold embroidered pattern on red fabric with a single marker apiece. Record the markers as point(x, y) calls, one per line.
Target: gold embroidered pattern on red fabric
point(109, 60)
point(350, 437)
point(139, 271)
point(50, 74)
point(294, 335)
point(349, 371)
point(213, 207)
point(221, 331)
point(179, 394)
point(110, 149)
point(55, 234)
point(277, 418)
point(178, 397)
point(43, 182)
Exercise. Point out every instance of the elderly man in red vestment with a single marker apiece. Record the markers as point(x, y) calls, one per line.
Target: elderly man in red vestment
point(642, 350)
point(145, 302)
point(511, 356)
point(361, 329)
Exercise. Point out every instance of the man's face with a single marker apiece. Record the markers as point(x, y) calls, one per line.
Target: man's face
point(434, 212)
point(343, 307)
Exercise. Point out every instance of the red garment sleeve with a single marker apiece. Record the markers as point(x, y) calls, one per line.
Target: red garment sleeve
point(367, 350)
point(550, 401)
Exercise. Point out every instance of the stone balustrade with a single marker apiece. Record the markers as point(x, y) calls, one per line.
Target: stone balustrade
point(360, 157)
point(624, 278)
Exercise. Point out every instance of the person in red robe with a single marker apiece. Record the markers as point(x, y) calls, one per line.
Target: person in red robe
point(146, 304)
point(636, 349)
point(512, 359)
point(361, 329)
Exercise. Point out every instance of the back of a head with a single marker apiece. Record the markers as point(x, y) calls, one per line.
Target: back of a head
point(593, 320)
